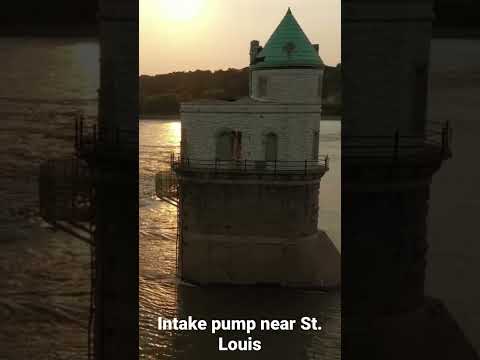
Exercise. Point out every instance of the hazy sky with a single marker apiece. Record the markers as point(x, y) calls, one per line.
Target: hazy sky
point(182, 35)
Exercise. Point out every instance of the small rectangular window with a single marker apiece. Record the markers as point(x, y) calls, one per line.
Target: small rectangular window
point(262, 86)
point(183, 143)
point(315, 145)
point(419, 94)
point(320, 86)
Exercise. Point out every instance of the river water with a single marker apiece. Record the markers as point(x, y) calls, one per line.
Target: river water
point(44, 282)
point(162, 295)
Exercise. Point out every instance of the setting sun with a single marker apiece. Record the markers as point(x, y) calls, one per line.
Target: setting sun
point(182, 10)
point(184, 35)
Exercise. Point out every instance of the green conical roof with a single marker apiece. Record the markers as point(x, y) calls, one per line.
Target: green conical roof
point(288, 47)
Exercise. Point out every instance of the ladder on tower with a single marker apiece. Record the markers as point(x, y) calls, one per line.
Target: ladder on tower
point(167, 190)
point(66, 197)
point(66, 194)
point(166, 187)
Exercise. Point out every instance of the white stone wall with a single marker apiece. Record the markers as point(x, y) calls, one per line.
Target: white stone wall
point(294, 125)
point(288, 85)
point(311, 261)
point(118, 108)
point(384, 98)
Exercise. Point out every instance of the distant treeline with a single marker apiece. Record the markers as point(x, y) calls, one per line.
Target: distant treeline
point(461, 14)
point(162, 94)
point(57, 18)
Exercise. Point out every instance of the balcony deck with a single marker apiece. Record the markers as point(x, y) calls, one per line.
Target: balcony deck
point(166, 182)
point(433, 146)
point(66, 197)
point(245, 167)
point(92, 142)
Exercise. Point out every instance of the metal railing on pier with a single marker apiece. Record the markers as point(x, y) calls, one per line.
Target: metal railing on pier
point(67, 188)
point(245, 166)
point(66, 196)
point(166, 181)
point(90, 138)
point(434, 143)
point(166, 186)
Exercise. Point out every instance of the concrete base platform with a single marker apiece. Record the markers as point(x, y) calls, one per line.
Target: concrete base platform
point(429, 332)
point(308, 262)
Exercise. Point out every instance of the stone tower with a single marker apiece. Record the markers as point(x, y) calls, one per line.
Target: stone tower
point(389, 154)
point(114, 163)
point(289, 68)
point(249, 175)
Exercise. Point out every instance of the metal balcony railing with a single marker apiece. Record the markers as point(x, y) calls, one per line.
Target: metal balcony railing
point(166, 186)
point(434, 143)
point(166, 181)
point(245, 166)
point(90, 138)
point(66, 196)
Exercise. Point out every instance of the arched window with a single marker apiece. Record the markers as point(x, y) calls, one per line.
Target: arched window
point(183, 143)
point(320, 86)
point(229, 145)
point(316, 144)
point(224, 145)
point(420, 85)
point(271, 147)
point(262, 86)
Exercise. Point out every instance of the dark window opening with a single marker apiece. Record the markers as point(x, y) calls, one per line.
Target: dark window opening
point(183, 144)
point(419, 94)
point(262, 86)
point(320, 86)
point(271, 147)
point(316, 144)
point(229, 145)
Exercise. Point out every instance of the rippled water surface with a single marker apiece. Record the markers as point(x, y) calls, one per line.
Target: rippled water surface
point(162, 295)
point(44, 282)
point(44, 285)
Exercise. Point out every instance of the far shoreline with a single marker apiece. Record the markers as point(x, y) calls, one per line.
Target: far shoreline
point(176, 117)
point(169, 117)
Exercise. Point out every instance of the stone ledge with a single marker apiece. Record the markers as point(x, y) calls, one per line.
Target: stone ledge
point(308, 262)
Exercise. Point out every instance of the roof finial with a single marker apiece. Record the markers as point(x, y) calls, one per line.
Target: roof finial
point(289, 11)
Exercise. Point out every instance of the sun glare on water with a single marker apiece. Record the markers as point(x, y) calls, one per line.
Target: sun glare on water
point(181, 10)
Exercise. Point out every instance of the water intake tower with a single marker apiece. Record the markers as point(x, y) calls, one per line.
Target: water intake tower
point(249, 172)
